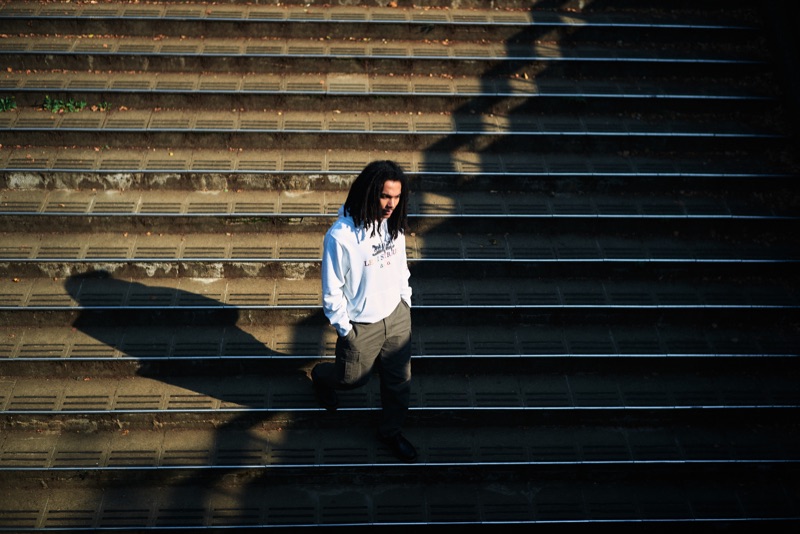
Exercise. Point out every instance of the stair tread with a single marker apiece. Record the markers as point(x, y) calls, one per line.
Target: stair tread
point(265, 203)
point(291, 392)
point(430, 341)
point(95, 292)
point(219, 502)
point(483, 50)
point(304, 162)
point(357, 84)
point(332, 14)
point(260, 447)
point(256, 245)
point(368, 122)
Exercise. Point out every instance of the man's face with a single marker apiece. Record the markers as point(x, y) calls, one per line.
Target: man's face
point(390, 197)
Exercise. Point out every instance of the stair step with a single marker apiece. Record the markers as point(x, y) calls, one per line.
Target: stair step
point(249, 245)
point(130, 52)
point(196, 205)
point(270, 448)
point(252, 502)
point(117, 161)
point(480, 396)
point(364, 15)
point(256, 343)
point(338, 84)
point(127, 123)
point(96, 292)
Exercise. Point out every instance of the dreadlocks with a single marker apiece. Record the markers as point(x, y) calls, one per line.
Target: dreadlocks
point(363, 200)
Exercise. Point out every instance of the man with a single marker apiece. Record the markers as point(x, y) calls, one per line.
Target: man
point(367, 299)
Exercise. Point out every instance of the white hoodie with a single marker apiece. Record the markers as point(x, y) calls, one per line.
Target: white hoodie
point(363, 276)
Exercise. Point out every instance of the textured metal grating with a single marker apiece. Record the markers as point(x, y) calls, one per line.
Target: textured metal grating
point(264, 50)
point(348, 87)
point(74, 163)
point(126, 123)
point(137, 48)
point(46, 47)
point(160, 207)
point(161, 164)
point(69, 518)
point(222, 50)
point(258, 165)
point(96, 48)
point(232, 86)
point(65, 206)
point(36, 122)
point(179, 49)
point(207, 207)
point(212, 165)
point(43, 84)
point(307, 165)
point(113, 207)
point(260, 124)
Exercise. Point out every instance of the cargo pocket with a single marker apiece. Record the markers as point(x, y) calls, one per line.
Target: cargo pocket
point(348, 359)
point(349, 362)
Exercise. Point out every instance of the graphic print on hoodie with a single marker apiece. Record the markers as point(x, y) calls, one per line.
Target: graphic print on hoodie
point(364, 276)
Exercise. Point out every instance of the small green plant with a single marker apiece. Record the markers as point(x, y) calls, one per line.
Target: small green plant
point(7, 103)
point(51, 104)
point(55, 105)
point(104, 106)
point(73, 105)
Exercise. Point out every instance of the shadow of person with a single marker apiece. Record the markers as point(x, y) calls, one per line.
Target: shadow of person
point(221, 395)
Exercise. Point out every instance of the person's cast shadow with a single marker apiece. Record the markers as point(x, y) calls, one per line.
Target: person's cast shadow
point(195, 344)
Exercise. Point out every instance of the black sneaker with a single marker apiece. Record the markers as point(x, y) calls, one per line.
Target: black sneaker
point(400, 447)
point(326, 396)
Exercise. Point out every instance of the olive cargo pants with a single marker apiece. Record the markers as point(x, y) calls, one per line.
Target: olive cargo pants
point(385, 345)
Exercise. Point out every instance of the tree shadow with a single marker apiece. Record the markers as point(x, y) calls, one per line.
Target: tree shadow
point(497, 84)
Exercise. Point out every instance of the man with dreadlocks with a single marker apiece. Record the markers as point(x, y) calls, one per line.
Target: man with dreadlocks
point(367, 299)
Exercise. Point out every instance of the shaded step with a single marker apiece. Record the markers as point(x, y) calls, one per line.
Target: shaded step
point(268, 447)
point(501, 243)
point(479, 396)
point(337, 84)
point(263, 501)
point(99, 292)
point(245, 129)
point(306, 162)
point(305, 55)
point(252, 344)
point(197, 205)
point(364, 15)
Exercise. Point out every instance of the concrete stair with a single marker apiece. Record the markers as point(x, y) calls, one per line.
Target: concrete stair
point(603, 246)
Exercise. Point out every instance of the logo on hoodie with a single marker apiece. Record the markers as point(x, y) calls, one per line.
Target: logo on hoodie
point(381, 253)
